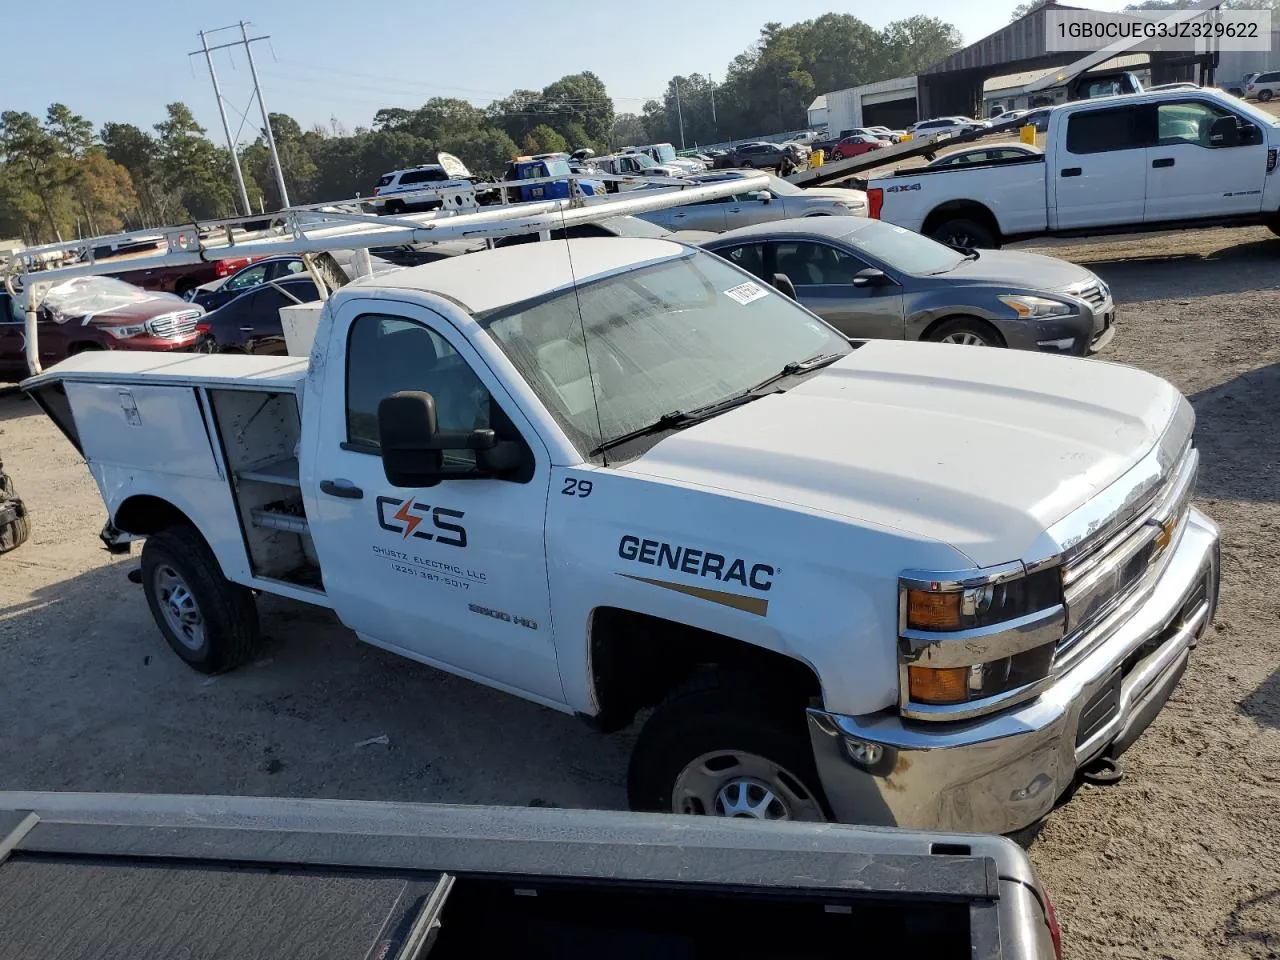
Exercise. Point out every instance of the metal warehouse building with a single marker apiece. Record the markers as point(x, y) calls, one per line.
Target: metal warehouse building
point(961, 84)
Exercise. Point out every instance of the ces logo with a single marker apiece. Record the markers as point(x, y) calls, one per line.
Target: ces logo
point(408, 518)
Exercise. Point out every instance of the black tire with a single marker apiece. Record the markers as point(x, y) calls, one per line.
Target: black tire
point(14, 533)
point(183, 287)
point(1273, 224)
point(957, 327)
point(716, 712)
point(964, 234)
point(393, 207)
point(228, 617)
point(1264, 95)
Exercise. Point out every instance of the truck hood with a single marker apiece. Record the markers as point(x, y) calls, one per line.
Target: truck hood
point(1018, 271)
point(981, 449)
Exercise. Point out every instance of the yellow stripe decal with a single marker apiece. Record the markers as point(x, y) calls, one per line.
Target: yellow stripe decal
point(750, 604)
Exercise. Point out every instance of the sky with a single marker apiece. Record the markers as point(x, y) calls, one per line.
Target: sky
point(340, 60)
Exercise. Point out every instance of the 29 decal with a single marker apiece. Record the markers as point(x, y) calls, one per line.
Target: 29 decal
point(573, 487)
point(410, 518)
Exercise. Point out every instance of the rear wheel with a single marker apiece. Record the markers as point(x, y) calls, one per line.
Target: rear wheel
point(210, 622)
point(15, 530)
point(725, 746)
point(1264, 95)
point(393, 207)
point(964, 234)
point(966, 332)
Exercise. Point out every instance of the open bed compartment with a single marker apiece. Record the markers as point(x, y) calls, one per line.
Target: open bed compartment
point(259, 432)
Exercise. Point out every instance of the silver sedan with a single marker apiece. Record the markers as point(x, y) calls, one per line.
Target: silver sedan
point(874, 280)
point(781, 201)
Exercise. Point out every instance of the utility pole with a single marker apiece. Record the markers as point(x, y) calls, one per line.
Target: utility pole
point(679, 112)
point(226, 127)
point(712, 81)
point(266, 123)
point(246, 41)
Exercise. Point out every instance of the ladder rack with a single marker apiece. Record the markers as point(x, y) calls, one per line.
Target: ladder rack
point(344, 225)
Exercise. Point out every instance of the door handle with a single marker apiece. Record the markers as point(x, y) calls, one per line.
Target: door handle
point(341, 488)
point(1072, 172)
point(1162, 162)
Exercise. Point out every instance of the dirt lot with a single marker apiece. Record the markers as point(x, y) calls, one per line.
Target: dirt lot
point(1177, 860)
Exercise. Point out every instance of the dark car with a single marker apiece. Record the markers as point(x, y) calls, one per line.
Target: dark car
point(251, 322)
point(95, 313)
point(212, 296)
point(873, 280)
point(761, 155)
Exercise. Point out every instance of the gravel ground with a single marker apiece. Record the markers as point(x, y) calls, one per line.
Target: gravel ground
point(1177, 860)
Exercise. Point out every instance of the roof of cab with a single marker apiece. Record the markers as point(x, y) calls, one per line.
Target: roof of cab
point(492, 279)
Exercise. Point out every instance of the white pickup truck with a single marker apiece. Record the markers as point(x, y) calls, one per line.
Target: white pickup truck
point(1126, 164)
point(887, 583)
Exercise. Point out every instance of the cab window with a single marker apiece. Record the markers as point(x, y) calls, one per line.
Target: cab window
point(748, 256)
point(247, 278)
point(1103, 131)
point(388, 354)
point(1187, 123)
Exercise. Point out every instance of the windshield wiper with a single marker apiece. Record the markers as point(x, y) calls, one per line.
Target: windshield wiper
point(679, 419)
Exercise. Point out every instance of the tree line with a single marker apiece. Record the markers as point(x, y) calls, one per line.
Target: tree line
point(59, 178)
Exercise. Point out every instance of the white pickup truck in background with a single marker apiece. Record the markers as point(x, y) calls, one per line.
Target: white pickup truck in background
point(887, 583)
point(1126, 164)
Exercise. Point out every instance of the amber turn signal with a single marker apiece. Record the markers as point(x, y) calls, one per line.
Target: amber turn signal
point(933, 611)
point(945, 685)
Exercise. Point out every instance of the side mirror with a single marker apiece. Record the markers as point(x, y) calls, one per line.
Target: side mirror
point(764, 196)
point(1249, 134)
point(1225, 132)
point(870, 277)
point(412, 445)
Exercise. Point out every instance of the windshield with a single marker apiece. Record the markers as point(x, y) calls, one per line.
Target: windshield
point(904, 250)
point(81, 296)
point(644, 161)
point(557, 168)
point(675, 336)
point(666, 152)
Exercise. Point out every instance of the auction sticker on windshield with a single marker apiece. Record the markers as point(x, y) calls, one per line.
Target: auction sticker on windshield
point(746, 292)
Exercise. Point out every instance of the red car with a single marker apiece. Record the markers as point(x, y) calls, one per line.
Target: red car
point(855, 145)
point(96, 313)
point(182, 279)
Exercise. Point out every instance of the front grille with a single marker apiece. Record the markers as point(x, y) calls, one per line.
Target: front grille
point(174, 326)
point(1092, 293)
point(1117, 564)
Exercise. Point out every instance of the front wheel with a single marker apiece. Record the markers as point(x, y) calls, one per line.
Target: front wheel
point(724, 747)
point(210, 622)
point(966, 332)
point(964, 235)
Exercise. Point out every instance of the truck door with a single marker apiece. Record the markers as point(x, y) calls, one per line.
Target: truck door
point(455, 574)
point(1203, 164)
point(1097, 170)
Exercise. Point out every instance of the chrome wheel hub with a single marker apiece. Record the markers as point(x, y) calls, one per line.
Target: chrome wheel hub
point(732, 783)
point(178, 606)
point(964, 339)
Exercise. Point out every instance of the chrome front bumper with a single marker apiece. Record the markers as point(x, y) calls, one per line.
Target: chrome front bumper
point(1003, 772)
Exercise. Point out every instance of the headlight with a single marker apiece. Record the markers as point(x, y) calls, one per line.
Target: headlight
point(124, 333)
point(1037, 308)
point(975, 643)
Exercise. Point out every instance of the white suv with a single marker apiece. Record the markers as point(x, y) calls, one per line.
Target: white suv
point(1263, 87)
point(949, 125)
point(414, 179)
